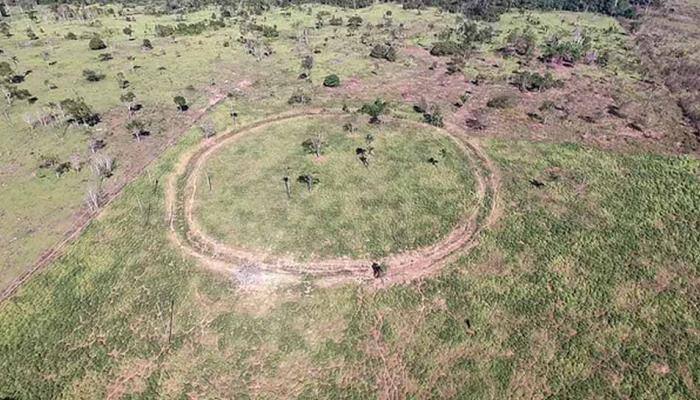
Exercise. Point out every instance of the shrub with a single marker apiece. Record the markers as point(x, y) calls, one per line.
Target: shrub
point(434, 117)
point(270, 31)
point(307, 62)
point(5, 69)
point(79, 112)
point(331, 81)
point(502, 101)
point(71, 36)
point(354, 22)
point(336, 21)
point(534, 82)
point(127, 31)
point(374, 110)
point(383, 52)
point(522, 43)
point(446, 48)
point(470, 34)
point(97, 44)
point(299, 97)
point(556, 49)
point(105, 57)
point(146, 45)
point(92, 76)
point(181, 103)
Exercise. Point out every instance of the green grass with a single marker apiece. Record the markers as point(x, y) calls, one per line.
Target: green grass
point(584, 288)
point(399, 202)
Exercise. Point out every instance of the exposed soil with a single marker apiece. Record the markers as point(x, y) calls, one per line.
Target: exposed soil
point(402, 267)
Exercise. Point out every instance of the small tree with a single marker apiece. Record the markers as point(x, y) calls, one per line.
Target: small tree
point(128, 100)
point(331, 81)
point(146, 45)
point(314, 144)
point(127, 31)
point(309, 180)
point(181, 103)
point(374, 110)
point(97, 44)
point(137, 129)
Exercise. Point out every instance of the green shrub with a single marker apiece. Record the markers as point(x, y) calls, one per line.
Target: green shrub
point(502, 101)
point(534, 82)
point(97, 44)
point(446, 48)
point(331, 81)
point(374, 110)
point(79, 112)
point(181, 103)
point(92, 76)
point(71, 36)
point(522, 43)
point(383, 52)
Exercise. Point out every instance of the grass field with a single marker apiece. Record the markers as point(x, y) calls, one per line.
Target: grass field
point(399, 201)
point(585, 286)
point(580, 291)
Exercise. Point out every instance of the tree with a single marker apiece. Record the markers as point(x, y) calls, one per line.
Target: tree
point(331, 81)
point(314, 144)
point(181, 103)
point(137, 129)
point(146, 45)
point(79, 112)
point(374, 110)
point(309, 180)
point(287, 187)
point(97, 44)
point(127, 31)
point(128, 100)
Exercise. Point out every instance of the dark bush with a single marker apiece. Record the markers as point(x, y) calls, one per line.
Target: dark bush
point(92, 76)
point(79, 112)
point(534, 82)
point(146, 45)
point(181, 103)
point(331, 81)
point(71, 36)
point(97, 44)
point(502, 101)
point(382, 51)
point(446, 48)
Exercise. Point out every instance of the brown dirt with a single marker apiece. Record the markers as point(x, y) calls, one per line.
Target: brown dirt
point(403, 267)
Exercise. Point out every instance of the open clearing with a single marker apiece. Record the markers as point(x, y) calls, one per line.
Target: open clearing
point(490, 203)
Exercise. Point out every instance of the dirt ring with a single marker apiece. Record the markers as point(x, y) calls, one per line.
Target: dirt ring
point(186, 234)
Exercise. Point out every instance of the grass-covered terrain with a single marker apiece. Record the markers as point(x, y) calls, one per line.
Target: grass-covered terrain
point(583, 283)
point(581, 290)
point(398, 201)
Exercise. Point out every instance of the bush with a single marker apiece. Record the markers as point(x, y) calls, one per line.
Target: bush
point(97, 44)
point(374, 110)
point(434, 117)
point(181, 103)
point(522, 43)
point(502, 101)
point(127, 31)
point(71, 36)
point(299, 97)
point(92, 76)
point(534, 82)
point(383, 52)
point(556, 49)
point(331, 81)
point(446, 48)
point(470, 34)
point(336, 21)
point(354, 22)
point(307, 62)
point(146, 45)
point(79, 112)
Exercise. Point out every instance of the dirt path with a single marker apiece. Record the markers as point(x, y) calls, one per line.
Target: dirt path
point(261, 268)
point(85, 217)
